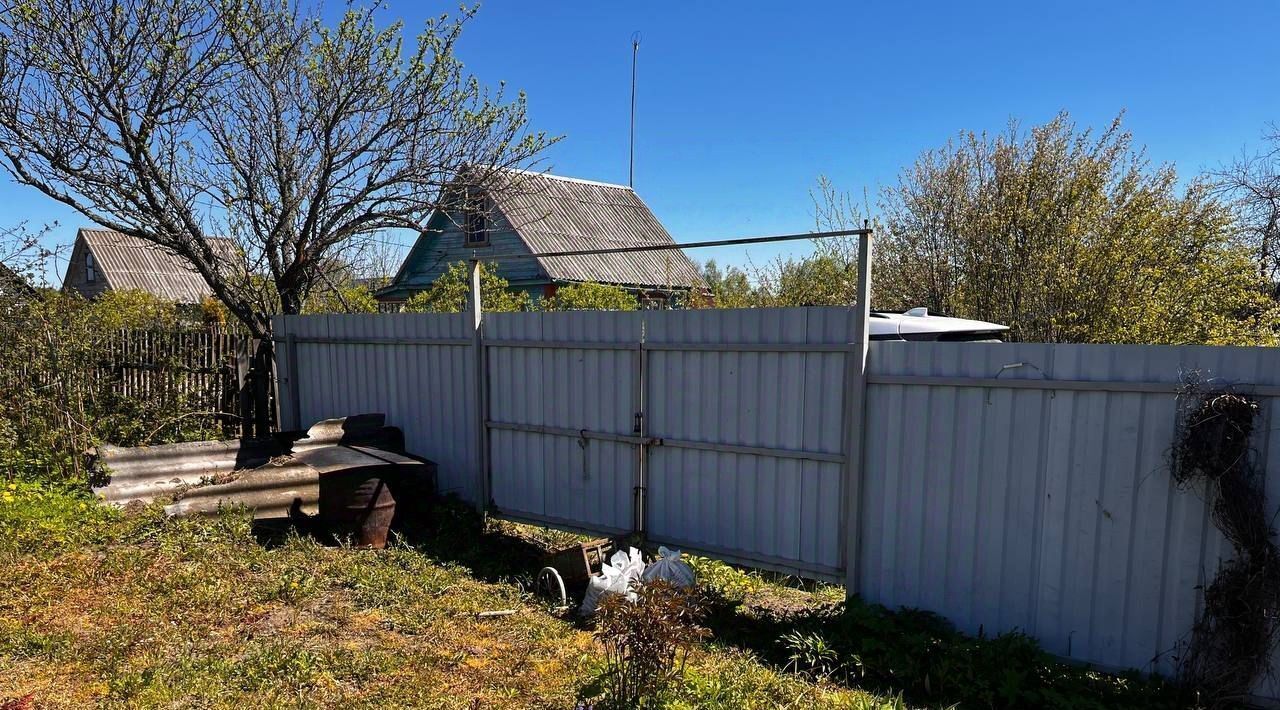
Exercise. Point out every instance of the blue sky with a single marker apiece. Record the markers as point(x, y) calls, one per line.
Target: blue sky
point(741, 106)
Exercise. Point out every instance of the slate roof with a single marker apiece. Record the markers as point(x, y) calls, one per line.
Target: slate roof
point(127, 262)
point(552, 213)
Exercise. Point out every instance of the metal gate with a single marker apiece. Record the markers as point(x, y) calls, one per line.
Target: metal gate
point(565, 419)
point(706, 430)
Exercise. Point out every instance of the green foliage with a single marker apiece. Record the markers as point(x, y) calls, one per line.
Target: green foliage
point(726, 288)
point(816, 280)
point(1067, 236)
point(130, 309)
point(63, 395)
point(449, 293)
point(38, 518)
point(346, 298)
point(907, 653)
point(590, 297)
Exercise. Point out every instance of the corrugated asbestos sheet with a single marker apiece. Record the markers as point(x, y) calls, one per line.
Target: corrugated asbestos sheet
point(130, 263)
point(426, 389)
point(562, 214)
point(1052, 512)
point(573, 476)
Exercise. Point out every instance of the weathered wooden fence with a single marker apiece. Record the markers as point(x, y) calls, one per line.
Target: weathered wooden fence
point(209, 374)
point(1005, 486)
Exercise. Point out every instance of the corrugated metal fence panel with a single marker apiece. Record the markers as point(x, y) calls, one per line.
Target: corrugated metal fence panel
point(780, 512)
point(582, 481)
point(1050, 512)
point(425, 389)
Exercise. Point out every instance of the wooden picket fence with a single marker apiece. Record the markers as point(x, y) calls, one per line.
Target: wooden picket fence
point(210, 374)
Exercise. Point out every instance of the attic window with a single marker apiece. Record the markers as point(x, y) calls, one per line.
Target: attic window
point(475, 223)
point(90, 274)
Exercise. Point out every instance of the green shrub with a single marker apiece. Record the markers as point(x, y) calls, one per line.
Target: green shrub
point(590, 297)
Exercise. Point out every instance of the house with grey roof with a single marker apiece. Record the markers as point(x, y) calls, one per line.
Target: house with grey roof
point(524, 213)
point(105, 260)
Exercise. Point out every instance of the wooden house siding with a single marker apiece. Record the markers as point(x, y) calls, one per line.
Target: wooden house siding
point(77, 276)
point(537, 213)
point(442, 244)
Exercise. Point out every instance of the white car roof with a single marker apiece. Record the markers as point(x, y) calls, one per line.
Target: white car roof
point(917, 321)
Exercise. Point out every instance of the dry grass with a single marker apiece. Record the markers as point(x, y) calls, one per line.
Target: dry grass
point(102, 609)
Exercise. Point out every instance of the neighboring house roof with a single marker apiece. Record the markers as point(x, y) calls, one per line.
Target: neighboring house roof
point(552, 213)
point(126, 262)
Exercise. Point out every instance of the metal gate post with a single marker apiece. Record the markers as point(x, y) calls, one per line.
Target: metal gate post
point(641, 428)
point(476, 311)
point(295, 391)
point(854, 416)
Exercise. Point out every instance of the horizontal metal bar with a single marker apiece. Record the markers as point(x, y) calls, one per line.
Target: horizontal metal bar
point(319, 340)
point(685, 245)
point(571, 433)
point(1068, 385)
point(673, 443)
point(673, 347)
point(558, 344)
point(751, 450)
point(750, 347)
point(749, 559)
point(558, 523)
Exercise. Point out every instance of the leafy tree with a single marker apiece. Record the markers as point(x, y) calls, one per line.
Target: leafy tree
point(728, 287)
point(131, 308)
point(346, 298)
point(213, 313)
point(173, 120)
point(1066, 235)
point(590, 297)
point(449, 293)
point(821, 279)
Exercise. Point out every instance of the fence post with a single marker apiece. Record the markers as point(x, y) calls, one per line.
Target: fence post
point(476, 310)
point(295, 389)
point(854, 415)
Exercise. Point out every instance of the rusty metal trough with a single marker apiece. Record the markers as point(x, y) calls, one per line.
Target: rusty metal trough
point(278, 478)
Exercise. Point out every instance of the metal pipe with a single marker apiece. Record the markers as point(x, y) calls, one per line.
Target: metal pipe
point(476, 307)
point(855, 391)
point(642, 449)
point(686, 245)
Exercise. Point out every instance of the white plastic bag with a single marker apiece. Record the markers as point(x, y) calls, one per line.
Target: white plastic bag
point(671, 568)
point(616, 577)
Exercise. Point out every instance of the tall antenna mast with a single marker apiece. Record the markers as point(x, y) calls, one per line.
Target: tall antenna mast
point(631, 163)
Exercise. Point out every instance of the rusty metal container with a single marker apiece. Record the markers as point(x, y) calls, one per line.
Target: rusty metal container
point(357, 504)
point(576, 564)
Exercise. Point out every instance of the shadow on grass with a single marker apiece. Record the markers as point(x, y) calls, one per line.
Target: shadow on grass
point(922, 656)
point(858, 645)
point(450, 532)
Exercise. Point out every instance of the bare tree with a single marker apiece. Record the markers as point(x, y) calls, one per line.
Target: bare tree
point(176, 120)
point(1252, 183)
point(23, 258)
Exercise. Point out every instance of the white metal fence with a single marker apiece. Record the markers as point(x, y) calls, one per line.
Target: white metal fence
point(1002, 485)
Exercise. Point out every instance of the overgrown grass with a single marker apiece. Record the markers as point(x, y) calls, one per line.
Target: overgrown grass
point(811, 631)
point(100, 608)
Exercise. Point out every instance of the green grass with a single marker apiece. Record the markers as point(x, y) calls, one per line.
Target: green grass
point(100, 608)
point(812, 631)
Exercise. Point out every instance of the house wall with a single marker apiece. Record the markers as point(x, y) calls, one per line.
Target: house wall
point(75, 277)
point(442, 244)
